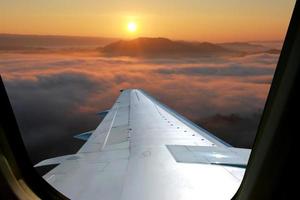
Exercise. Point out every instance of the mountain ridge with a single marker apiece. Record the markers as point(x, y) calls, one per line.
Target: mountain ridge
point(145, 46)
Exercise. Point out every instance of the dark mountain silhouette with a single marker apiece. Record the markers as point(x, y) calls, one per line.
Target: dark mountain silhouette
point(159, 47)
point(273, 51)
point(151, 47)
point(248, 48)
point(25, 42)
point(243, 47)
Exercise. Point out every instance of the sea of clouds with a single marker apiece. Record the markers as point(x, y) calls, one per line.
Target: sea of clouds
point(55, 96)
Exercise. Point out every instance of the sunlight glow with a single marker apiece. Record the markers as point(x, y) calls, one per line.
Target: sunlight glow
point(132, 27)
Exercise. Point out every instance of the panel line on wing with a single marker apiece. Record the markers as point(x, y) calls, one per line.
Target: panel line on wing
point(111, 125)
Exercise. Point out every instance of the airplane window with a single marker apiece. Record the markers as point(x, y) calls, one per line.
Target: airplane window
point(140, 98)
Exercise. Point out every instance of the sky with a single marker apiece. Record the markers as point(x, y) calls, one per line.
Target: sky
point(205, 20)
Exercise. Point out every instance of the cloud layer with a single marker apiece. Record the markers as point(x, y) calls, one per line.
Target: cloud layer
point(55, 96)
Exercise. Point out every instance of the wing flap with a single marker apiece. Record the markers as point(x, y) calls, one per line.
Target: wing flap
point(234, 157)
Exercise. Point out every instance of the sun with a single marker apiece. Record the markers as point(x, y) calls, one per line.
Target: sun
point(132, 27)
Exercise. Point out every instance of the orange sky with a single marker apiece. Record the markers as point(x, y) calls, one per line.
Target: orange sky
point(202, 20)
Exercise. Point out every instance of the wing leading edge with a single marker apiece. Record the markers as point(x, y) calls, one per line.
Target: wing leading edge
point(144, 150)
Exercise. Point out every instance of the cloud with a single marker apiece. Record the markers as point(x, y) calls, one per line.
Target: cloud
point(236, 128)
point(47, 109)
point(252, 65)
point(56, 96)
point(261, 59)
point(232, 70)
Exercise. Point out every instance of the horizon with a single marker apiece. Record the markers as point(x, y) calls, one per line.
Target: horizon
point(134, 38)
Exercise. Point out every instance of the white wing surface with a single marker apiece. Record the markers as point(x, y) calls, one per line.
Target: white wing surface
point(143, 150)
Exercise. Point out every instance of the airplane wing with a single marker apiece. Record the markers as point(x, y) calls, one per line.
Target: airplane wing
point(144, 150)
